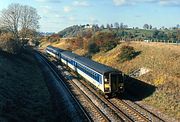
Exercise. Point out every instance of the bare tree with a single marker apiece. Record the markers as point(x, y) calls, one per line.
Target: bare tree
point(29, 20)
point(10, 19)
point(18, 17)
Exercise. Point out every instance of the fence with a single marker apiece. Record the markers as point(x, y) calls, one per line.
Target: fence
point(175, 42)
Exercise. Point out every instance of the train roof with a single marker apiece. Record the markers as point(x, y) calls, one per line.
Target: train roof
point(54, 48)
point(69, 54)
point(101, 68)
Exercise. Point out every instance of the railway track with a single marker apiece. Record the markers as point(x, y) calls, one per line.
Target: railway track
point(134, 113)
point(131, 111)
point(113, 109)
point(149, 115)
point(128, 110)
point(83, 112)
point(94, 111)
point(106, 107)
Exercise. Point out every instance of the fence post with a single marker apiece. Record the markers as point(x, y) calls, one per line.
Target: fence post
point(176, 42)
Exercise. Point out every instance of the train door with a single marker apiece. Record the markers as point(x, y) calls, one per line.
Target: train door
point(116, 81)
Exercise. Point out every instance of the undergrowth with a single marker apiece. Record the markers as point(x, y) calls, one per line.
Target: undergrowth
point(24, 96)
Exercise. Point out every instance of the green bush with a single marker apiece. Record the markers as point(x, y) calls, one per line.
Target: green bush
point(109, 45)
point(127, 53)
point(93, 48)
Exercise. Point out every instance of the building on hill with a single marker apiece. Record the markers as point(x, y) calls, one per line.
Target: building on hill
point(88, 26)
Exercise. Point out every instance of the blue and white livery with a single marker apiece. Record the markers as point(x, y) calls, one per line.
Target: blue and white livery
point(108, 80)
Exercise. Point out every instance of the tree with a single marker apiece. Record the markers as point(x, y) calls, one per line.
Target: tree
point(121, 25)
point(10, 19)
point(146, 26)
point(155, 34)
point(93, 48)
point(116, 25)
point(178, 35)
point(108, 26)
point(95, 27)
point(178, 26)
point(150, 26)
point(29, 20)
point(102, 27)
point(18, 17)
point(125, 26)
point(111, 25)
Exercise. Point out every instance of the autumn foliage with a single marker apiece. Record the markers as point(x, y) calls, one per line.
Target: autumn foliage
point(9, 44)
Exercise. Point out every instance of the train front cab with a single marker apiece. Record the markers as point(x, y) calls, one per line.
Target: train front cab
point(113, 84)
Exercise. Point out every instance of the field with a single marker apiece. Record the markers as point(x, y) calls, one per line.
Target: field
point(24, 96)
point(162, 60)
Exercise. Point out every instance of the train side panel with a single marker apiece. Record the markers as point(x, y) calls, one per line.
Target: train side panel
point(80, 71)
point(52, 54)
point(98, 83)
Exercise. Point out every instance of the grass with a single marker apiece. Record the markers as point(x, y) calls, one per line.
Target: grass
point(164, 63)
point(23, 92)
point(163, 60)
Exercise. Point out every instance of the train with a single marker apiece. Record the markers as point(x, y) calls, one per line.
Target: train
point(107, 79)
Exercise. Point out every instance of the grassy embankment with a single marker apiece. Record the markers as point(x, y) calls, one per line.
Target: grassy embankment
point(24, 96)
point(164, 64)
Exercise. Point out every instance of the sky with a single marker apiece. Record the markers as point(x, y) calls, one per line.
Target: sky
point(59, 14)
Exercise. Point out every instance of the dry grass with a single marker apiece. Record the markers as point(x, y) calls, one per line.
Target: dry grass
point(164, 62)
point(23, 93)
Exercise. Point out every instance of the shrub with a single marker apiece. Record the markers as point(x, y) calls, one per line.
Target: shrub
point(93, 48)
point(103, 37)
point(127, 53)
point(9, 44)
point(109, 45)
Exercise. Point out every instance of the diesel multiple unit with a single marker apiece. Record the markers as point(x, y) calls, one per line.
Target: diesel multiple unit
point(105, 78)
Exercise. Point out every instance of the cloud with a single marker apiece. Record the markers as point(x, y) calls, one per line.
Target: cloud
point(119, 2)
point(48, 1)
point(134, 2)
point(131, 2)
point(67, 9)
point(170, 2)
point(93, 20)
point(72, 18)
point(45, 9)
point(81, 3)
point(138, 16)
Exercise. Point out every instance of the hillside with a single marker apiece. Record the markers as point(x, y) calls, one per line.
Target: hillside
point(124, 33)
point(162, 60)
point(24, 96)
